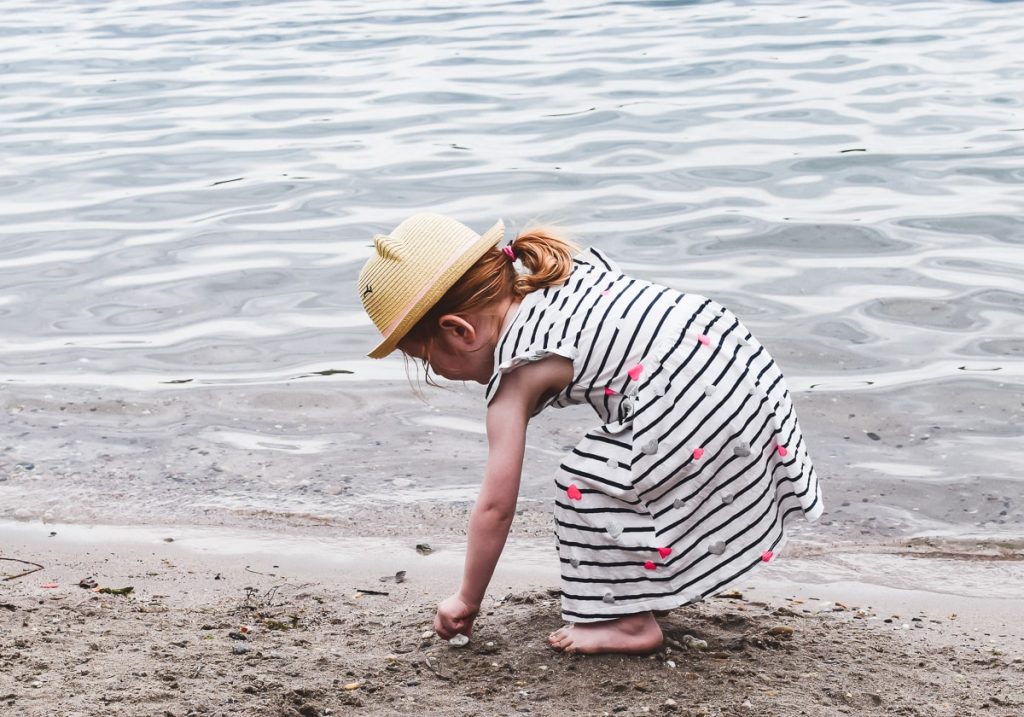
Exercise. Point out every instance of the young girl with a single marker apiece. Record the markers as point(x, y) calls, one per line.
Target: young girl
point(696, 465)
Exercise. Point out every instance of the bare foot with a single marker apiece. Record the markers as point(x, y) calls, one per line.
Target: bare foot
point(636, 635)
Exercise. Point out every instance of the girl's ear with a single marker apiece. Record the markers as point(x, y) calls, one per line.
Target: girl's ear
point(459, 332)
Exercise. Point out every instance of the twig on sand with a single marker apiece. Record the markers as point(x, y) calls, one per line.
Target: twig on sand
point(254, 572)
point(36, 569)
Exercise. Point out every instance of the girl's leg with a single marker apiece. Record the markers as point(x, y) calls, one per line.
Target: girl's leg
point(634, 634)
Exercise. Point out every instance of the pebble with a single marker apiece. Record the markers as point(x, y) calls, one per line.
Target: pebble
point(459, 641)
point(694, 643)
point(426, 635)
point(37, 684)
point(25, 465)
point(781, 630)
point(239, 649)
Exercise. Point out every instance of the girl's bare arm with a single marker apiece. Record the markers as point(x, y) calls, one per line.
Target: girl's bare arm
point(507, 416)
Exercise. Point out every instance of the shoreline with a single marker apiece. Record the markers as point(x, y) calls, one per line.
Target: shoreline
point(979, 582)
point(323, 635)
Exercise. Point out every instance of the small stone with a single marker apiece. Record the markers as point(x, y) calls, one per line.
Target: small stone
point(426, 635)
point(614, 530)
point(424, 548)
point(25, 465)
point(747, 704)
point(741, 449)
point(670, 702)
point(608, 597)
point(574, 562)
point(727, 496)
point(679, 504)
point(710, 389)
point(650, 448)
point(612, 463)
point(717, 547)
point(37, 684)
point(670, 663)
point(351, 686)
point(694, 643)
point(781, 630)
point(239, 649)
point(459, 641)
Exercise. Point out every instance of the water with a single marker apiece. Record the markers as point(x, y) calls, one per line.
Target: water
point(188, 190)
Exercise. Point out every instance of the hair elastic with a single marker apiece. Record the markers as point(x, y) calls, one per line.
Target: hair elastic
point(509, 252)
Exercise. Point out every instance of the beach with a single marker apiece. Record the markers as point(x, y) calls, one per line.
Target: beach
point(242, 622)
point(216, 539)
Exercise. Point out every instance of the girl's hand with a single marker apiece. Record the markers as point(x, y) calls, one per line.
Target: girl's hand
point(454, 617)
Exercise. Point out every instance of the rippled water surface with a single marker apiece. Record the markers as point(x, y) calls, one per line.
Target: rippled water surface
point(188, 190)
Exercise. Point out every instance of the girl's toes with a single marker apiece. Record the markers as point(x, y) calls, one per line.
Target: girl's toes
point(563, 642)
point(558, 634)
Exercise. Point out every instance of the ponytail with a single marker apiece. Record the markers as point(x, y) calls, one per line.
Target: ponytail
point(546, 256)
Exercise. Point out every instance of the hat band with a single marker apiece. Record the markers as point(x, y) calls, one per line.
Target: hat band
point(456, 255)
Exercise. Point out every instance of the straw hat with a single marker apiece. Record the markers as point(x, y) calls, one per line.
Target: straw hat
point(413, 267)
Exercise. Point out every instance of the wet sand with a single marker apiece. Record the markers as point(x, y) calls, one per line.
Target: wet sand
point(318, 639)
point(282, 505)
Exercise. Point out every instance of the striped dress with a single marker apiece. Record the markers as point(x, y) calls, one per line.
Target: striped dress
point(699, 461)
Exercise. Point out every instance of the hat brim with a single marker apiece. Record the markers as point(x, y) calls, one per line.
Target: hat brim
point(451, 275)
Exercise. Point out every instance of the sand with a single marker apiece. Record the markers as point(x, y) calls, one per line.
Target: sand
point(277, 508)
point(234, 622)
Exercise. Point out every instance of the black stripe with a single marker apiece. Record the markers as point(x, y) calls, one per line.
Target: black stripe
point(630, 511)
point(593, 529)
point(595, 478)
